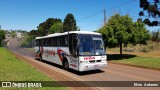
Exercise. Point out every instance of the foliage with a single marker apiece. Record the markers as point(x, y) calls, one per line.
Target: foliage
point(156, 36)
point(121, 29)
point(44, 27)
point(54, 25)
point(152, 8)
point(139, 34)
point(69, 23)
point(2, 36)
point(56, 28)
point(51, 25)
point(28, 41)
point(13, 34)
point(144, 49)
point(34, 33)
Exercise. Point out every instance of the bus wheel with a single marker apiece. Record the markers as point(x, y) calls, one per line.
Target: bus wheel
point(66, 65)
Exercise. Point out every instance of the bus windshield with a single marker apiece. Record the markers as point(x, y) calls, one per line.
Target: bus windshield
point(91, 45)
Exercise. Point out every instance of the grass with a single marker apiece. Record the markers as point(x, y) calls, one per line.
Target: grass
point(145, 62)
point(149, 59)
point(13, 69)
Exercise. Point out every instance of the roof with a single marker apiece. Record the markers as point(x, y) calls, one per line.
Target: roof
point(65, 33)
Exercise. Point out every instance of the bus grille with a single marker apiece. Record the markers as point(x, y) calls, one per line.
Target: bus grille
point(92, 61)
point(99, 60)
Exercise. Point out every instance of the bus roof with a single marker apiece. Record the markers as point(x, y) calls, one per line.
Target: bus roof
point(65, 33)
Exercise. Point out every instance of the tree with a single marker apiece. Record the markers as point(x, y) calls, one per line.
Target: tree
point(156, 36)
point(56, 28)
point(34, 33)
point(121, 29)
point(44, 27)
point(152, 9)
point(139, 34)
point(2, 36)
point(69, 23)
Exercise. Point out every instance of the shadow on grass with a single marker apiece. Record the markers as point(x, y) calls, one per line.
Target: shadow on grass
point(119, 57)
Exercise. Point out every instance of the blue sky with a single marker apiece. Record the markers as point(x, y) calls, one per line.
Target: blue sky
point(27, 14)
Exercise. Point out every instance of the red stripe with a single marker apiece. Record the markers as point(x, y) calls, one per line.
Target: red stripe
point(74, 65)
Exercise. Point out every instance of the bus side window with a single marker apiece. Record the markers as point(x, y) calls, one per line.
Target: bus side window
point(56, 41)
point(49, 43)
point(36, 43)
point(63, 41)
point(45, 42)
point(53, 41)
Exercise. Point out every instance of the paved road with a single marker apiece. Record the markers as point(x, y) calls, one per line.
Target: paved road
point(112, 72)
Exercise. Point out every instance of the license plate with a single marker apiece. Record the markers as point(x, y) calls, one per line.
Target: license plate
point(95, 65)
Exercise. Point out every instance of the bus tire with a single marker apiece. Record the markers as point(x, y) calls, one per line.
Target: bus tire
point(66, 65)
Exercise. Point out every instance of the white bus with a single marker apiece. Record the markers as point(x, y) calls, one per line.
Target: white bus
point(78, 50)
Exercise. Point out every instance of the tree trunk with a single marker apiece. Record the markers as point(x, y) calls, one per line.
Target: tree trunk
point(120, 48)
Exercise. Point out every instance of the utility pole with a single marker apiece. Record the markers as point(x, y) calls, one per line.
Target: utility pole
point(104, 16)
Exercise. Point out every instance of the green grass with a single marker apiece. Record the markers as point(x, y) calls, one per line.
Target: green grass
point(153, 63)
point(13, 69)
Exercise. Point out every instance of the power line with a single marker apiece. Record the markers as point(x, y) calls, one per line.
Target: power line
point(122, 4)
point(103, 11)
point(90, 15)
point(104, 16)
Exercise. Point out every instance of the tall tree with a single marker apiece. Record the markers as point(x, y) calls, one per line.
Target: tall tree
point(56, 28)
point(121, 29)
point(151, 7)
point(69, 23)
point(34, 33)
point(2, 36)
point(44, 27)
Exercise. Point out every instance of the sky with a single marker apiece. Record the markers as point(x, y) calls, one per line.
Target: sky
point(28, 14)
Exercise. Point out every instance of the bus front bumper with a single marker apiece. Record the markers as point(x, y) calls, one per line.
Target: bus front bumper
point(92, 66)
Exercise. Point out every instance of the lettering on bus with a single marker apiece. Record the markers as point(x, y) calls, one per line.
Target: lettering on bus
point(89, 58)
point(49, 52)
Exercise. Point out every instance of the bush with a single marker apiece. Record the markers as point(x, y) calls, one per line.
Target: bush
point(144, 49)
point(129, 49)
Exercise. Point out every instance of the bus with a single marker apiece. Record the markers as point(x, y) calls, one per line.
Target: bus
point(78, 50)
